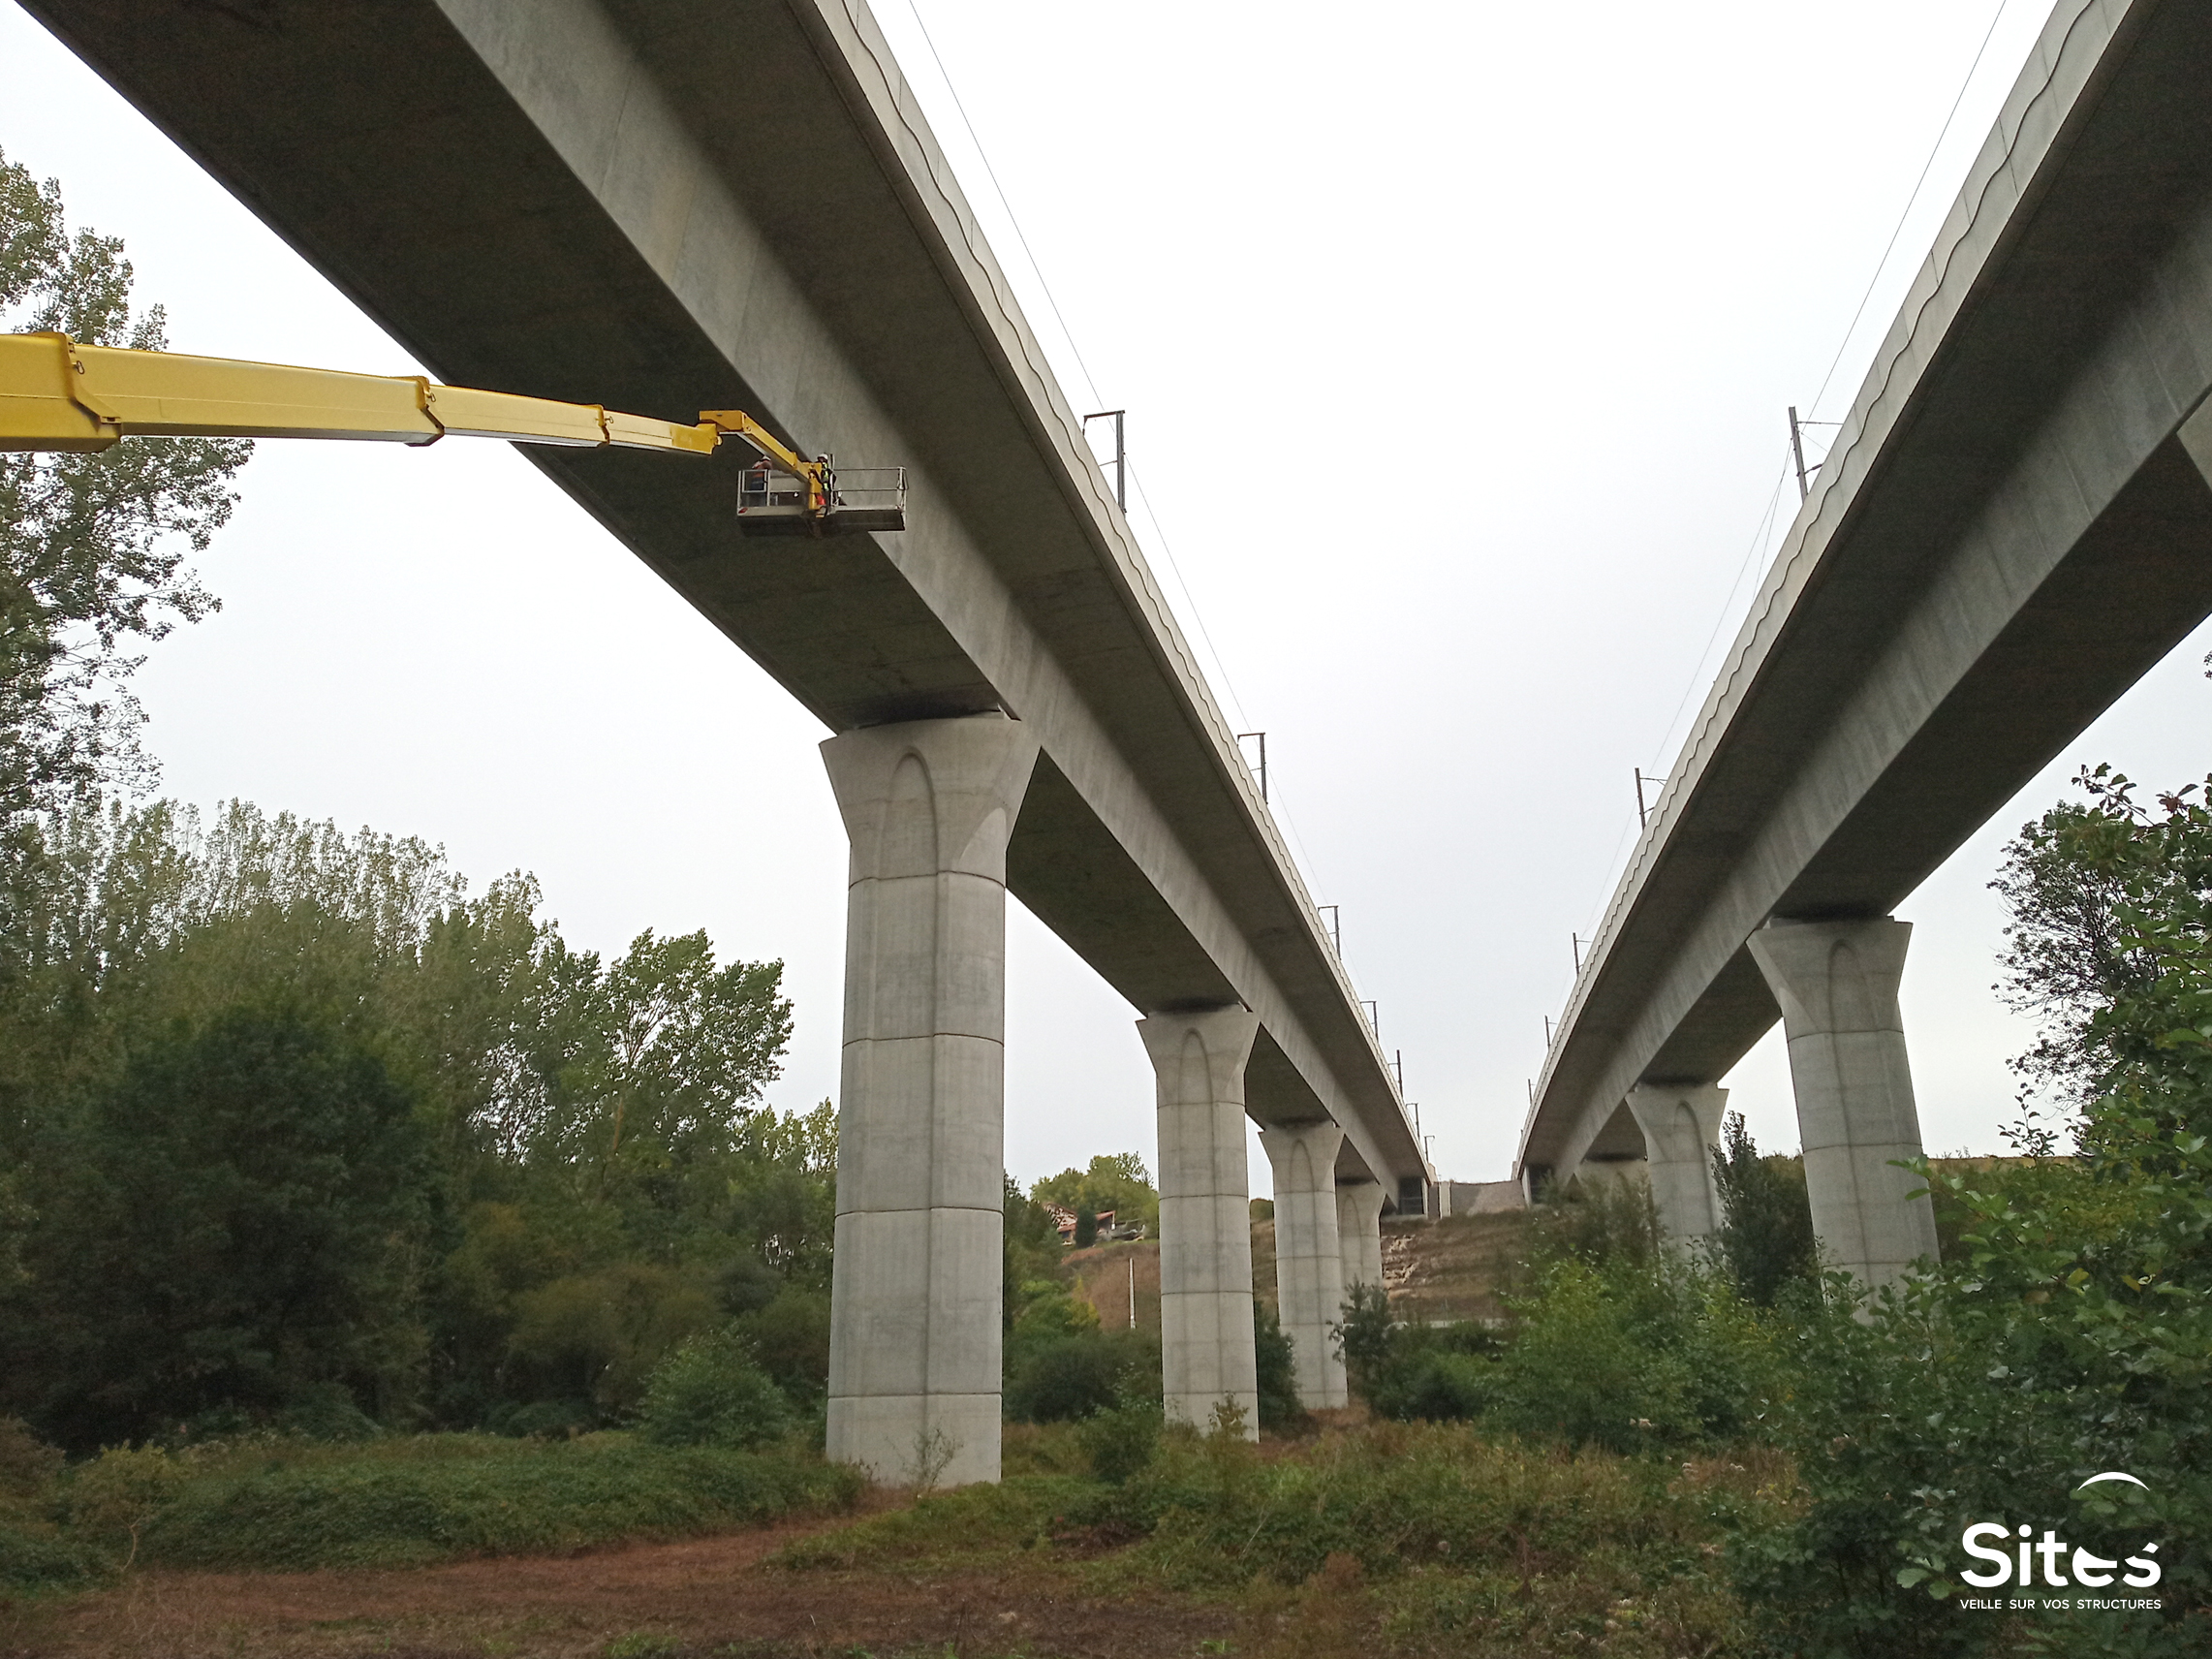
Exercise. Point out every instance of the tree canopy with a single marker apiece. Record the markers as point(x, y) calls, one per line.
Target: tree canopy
point(92, 547)
point(1115, 1181)
point(536, 1172)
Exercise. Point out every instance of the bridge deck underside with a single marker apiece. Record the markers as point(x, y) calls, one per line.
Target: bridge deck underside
point(675, 205)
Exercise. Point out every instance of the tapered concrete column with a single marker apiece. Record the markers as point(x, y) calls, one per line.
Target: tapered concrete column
point(915, 1282)
point(1837, 983)
point(1309, 1259)
point(1360, 1233)
point(1205, 1212)
point(1681, 1127)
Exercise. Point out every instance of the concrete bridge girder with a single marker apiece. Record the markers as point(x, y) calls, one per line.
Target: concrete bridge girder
point(2015, 524)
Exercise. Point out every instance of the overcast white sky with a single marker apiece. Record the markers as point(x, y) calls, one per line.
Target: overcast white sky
point(1566, 265)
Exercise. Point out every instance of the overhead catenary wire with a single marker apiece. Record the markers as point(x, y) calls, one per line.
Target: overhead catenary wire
point(1887, 248)
point(1843, 345)
point(991, 173)
point(1760, 538)
point(1135, 478)
point(1630, 830)
point(1075, 351)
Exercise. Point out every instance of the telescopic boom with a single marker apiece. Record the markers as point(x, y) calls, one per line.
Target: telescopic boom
point(57, 396)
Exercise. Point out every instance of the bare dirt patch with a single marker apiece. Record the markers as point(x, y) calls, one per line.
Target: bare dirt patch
point(718, 1596)
point(1453, 1267)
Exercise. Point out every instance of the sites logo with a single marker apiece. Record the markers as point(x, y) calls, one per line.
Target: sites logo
point(2017, 1558)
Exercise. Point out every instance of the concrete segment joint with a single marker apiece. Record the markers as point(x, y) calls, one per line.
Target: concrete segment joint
point(1207, 1350)
point(1309, 1257)
point(915, 1291)
point(1837, 983)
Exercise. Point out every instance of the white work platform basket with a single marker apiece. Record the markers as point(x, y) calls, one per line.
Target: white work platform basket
point(773, 502)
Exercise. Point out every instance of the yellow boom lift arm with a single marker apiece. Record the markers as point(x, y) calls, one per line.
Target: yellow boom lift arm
point(57, 396)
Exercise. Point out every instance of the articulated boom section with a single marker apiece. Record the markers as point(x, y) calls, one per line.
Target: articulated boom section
point(57, 396)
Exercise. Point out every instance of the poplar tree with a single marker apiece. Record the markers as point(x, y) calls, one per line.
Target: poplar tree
point(92, 547)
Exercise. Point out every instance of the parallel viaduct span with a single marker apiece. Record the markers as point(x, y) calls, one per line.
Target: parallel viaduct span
point(2012, 526)
point(672, 206)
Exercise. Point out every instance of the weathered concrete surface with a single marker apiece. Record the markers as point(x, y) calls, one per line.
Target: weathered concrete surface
point(1205, 1212)
point(1309, 1256)
point(2007, 533)
point(916, 1291)
point(675, 205)
point(1681, 1127)
point(1360, 1233)
point(1837, 983)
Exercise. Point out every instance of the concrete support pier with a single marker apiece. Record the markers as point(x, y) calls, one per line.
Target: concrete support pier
point(1205, 1212)
point(1360, 1233)
point(1681, 1128)
point(916, 1289)
point(1309, 1257)
point(1837, 983)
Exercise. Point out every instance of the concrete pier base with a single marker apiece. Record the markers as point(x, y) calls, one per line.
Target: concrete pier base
point(1681, 1127)
point(915, 1288)
point(1837, 983)
point(1205, 1213)
point(1309, 1257)
point(1360, 1233)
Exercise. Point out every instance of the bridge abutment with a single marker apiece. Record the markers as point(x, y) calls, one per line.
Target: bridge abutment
point(1837, 984)
point(916, 1290)
point(1681, 1127)
point(1205, 1212)
point(1309, 1259)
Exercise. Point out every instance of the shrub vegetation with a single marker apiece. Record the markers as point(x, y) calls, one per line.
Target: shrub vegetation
point(286, 1504)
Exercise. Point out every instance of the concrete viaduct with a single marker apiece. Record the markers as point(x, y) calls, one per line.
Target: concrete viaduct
point(2013, 524)
point(669, 206)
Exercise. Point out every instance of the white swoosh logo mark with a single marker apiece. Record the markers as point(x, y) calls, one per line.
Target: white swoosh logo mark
point(2111, 1475)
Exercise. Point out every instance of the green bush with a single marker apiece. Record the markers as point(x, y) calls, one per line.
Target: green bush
point(1766, 1239)
point(1439, 1385)
point(110, 1500)
point(1120, 1442)
point(239, 1228)
point(600, 1336)
point(1607, 1223)
point(790, 1340)
point(404, 1502)
point(546, 1420)
point(1411, 1499)
point(2073, 1338)
point(1631, 1351)
point(1078, 1375)
point(711, 1393)
point(34, 1554)
point(1276, 1368)
point(1587, 1366)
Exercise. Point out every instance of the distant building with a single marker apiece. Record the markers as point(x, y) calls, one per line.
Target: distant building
point(1065, 1221)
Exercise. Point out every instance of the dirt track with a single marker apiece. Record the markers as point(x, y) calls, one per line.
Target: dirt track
point(716, 1596)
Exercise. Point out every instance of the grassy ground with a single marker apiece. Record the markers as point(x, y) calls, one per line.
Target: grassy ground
point(1383, 1540)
